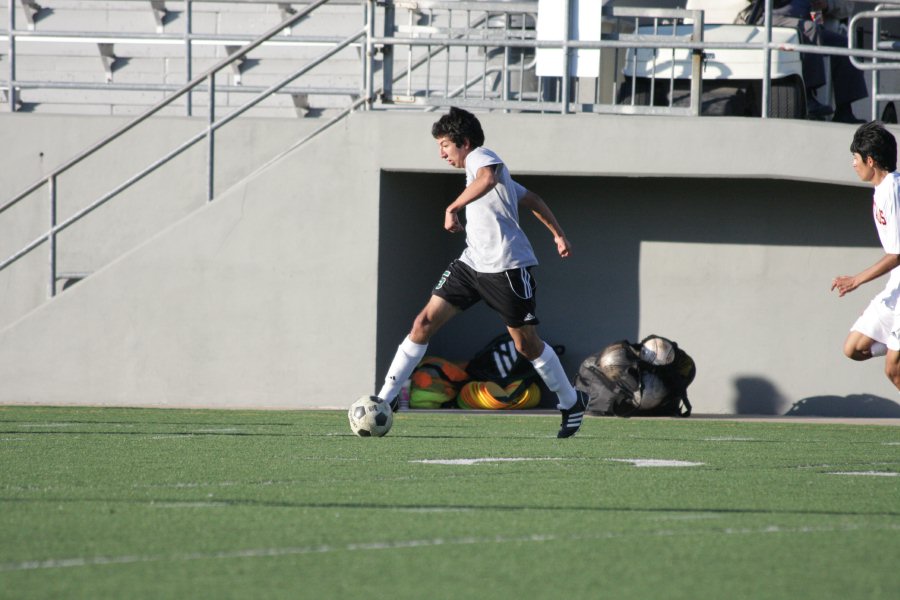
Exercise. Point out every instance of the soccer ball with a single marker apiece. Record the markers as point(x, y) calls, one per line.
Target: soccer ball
point(616, 360)
point(370, 416)
point(657, 351)
point(653, 391)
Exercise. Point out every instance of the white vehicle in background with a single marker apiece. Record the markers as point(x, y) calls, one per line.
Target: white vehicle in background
point(732, 78)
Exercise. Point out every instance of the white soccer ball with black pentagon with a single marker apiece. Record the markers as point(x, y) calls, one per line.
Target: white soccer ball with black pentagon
point(370, 416)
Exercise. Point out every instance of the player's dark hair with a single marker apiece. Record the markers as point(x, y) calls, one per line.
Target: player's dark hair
point(873, 139)
point(459, 125)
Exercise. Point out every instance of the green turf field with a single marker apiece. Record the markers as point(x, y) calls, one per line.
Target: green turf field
point(126, 503)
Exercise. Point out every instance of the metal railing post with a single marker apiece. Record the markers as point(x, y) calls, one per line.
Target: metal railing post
point(696, 66)
point(369, 65)
point(188, 53)
point(767, 65)
point(11, 13)
point(211, 140)
point(876, 26)
point(387, 53)
point(567, 58)
point(51, 236)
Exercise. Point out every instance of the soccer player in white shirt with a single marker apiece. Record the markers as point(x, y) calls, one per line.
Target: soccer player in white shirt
point(877, 331)
point(494, 267)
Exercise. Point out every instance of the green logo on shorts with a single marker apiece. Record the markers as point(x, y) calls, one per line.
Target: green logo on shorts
point(443, 280)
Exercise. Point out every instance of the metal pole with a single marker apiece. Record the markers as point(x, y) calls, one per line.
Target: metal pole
point(875, 75)
point(188, 53)
point(767, 64)
point(387, 53)
point(696, 67)
point(51, 235)
point(362, 52)
point(369, 59)
point(567, 59)
point(504, 87)
point(11, 11)
point(211, 140)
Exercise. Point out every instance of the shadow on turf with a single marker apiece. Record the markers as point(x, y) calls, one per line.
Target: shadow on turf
point(853, 406)
point(759, 396)
point(452, 507)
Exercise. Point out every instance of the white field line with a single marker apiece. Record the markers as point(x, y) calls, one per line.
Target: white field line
point(188, 504)
point(224, 430)
point(868, 473)
point(88, 561)
point(473, 461)
point(656, 462)
point(637, 462)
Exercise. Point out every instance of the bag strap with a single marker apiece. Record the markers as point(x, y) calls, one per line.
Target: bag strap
point(687, 407)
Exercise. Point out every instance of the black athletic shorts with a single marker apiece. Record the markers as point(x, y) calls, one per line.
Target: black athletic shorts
point(510, 293)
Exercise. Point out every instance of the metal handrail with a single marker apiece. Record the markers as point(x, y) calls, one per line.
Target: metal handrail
point(51, 178)
point(164, 103)
point(187, 38)
point(369, 92)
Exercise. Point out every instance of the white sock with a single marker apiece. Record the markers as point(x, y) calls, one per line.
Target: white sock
point(551, 371)
point(878, 349)
point(408, 356)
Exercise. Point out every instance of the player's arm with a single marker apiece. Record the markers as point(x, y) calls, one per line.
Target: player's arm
point(542, 212)
point(845, 284)
point(485, 181)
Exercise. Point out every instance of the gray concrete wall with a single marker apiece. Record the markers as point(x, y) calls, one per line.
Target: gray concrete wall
point(37, 145)
point(293, 289)
point(245, 302)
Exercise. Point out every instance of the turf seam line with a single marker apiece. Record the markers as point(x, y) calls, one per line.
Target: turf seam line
point(75, 562)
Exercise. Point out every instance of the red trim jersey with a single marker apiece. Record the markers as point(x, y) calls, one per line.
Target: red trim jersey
point(886, 212)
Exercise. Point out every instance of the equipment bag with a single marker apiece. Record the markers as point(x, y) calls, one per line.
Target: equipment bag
point(435, 383)
point(649, 378)
point(610, 377)
point(499, 362)
point(676, 372)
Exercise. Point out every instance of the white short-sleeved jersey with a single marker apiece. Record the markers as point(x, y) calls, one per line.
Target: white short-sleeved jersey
point(494, 240)
point(886, 212)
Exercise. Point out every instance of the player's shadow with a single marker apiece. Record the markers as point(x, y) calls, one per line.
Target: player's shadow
point(854, 405)
point(758, 396)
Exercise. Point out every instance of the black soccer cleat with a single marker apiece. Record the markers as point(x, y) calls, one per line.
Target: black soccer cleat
point(572, 418)
point(395, 403)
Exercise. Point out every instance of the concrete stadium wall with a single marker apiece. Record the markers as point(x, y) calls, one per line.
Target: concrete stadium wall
point(227, 307)
point(292, 289)
point(36, 145)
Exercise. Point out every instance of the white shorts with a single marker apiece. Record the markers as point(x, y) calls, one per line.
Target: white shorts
point(879, 323)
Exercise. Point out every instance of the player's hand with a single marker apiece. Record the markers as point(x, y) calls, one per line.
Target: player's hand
point(844, 284)
point(451, 222)
point(563, 246)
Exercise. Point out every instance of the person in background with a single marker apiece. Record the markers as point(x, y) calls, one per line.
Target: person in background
point(809, 18)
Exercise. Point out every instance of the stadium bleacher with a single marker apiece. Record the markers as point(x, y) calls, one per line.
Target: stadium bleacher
point(120, 57)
